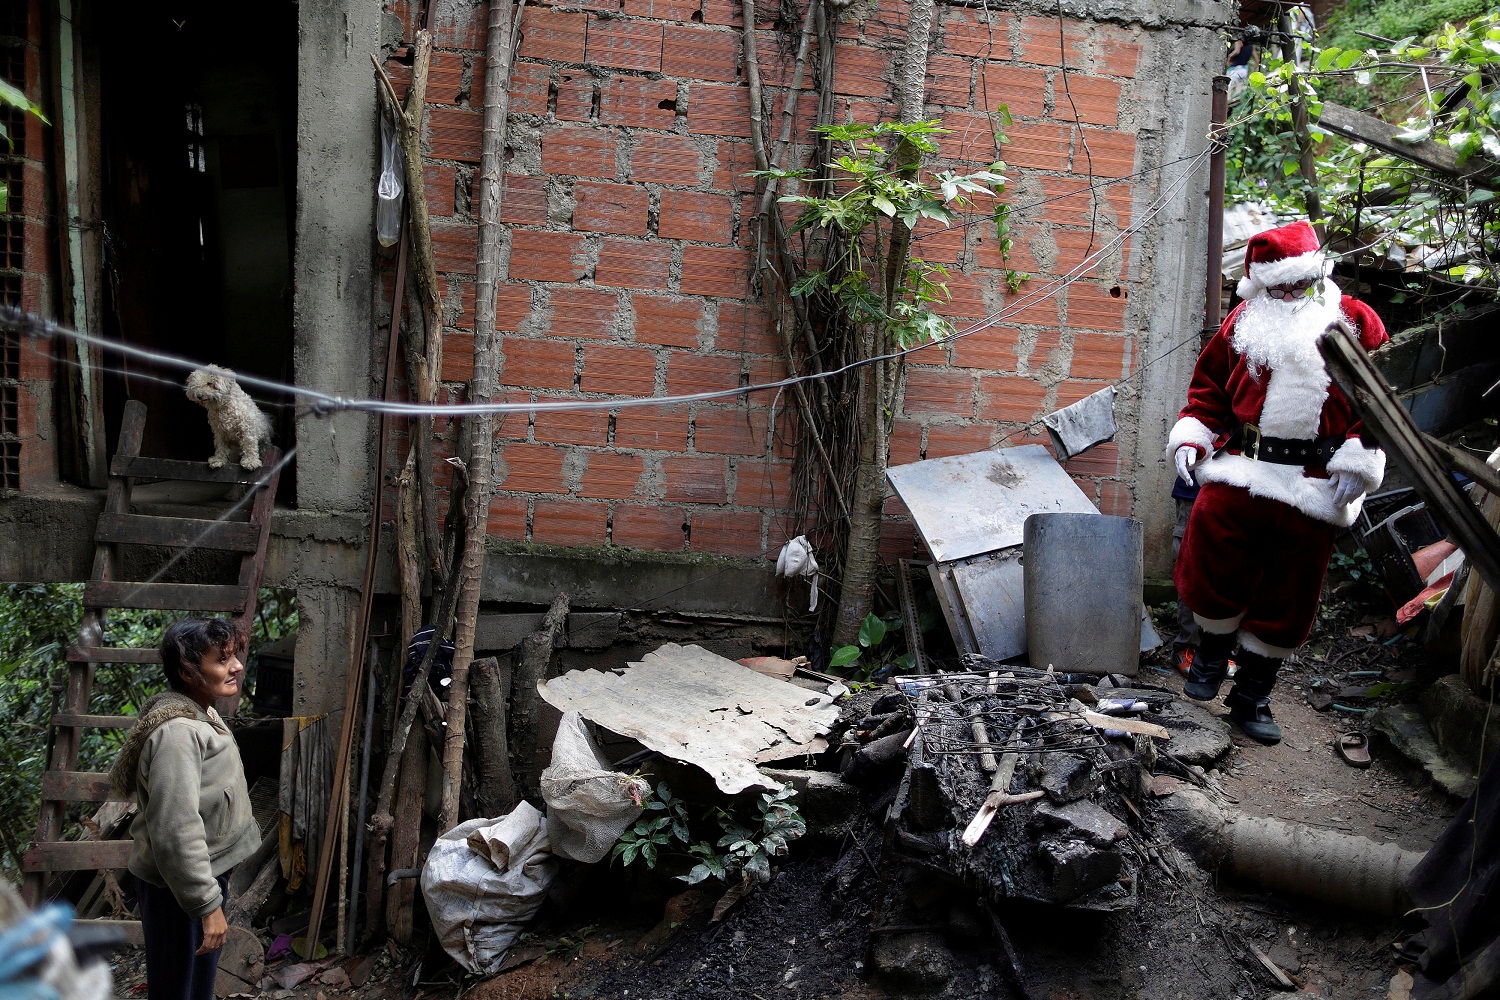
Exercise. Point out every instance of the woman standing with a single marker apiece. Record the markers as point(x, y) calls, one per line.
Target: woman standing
point(193, 821)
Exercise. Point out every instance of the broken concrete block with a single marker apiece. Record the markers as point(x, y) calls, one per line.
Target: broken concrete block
point(913, 963)
point(1076, 868)
point(1083, 819)
point(1067, 777)
point(828, 805)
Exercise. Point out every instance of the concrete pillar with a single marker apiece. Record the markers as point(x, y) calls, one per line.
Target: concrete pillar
point(333, 294)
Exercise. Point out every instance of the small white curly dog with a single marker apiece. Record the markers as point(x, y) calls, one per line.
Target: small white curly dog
point(237, 423)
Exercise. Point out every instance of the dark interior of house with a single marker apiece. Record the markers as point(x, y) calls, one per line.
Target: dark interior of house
point(197, 164)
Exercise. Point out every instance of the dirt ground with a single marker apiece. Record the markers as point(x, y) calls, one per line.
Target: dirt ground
point(808, 935)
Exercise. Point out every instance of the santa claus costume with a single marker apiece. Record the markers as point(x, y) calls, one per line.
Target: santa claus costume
point(1277, 451)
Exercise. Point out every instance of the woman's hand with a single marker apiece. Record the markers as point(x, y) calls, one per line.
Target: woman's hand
point(215, 930)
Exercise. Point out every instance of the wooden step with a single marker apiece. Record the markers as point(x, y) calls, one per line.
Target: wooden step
point(193, 472)
point(75, 786)
point(177, 532)
point(112, 654)
point(65, 720)
point(77, 856)
point(165, 596)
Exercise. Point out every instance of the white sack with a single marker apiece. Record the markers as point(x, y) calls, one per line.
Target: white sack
point(483, 881)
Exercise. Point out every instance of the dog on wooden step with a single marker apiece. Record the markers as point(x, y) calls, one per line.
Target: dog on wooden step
point(237, 423)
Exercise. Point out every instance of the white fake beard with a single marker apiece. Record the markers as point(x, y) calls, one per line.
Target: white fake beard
point(1280, 336)
point(1278, 333)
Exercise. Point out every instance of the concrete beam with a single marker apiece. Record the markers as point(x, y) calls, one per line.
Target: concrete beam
point(630, 580)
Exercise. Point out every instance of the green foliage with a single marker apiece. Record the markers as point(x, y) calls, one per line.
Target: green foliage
point(744, 846)
point(870, 192)
point(14, 97)
point(1387, 204)
point(37, 624)
point(1395, 19)
point(870, 657)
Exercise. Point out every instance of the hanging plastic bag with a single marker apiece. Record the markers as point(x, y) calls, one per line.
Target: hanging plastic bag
point(389, 191)
point(483, 881)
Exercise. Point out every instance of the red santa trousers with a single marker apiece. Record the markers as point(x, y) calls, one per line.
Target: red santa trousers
point(1256, 557)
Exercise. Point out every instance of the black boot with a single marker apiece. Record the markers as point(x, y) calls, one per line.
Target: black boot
point(1209, 666)
point(1249, 702)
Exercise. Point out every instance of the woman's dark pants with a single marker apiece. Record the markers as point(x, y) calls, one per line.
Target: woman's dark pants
point(174, 970)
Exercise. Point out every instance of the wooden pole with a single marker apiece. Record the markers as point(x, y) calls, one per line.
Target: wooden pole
point(1213, 297)
point(498, 56)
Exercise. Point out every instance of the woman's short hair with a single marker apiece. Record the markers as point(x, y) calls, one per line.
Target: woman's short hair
point(186, 642)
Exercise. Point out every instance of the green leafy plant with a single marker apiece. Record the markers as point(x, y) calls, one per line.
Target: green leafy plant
point(748, 849)
point(868, 654)
point(14, 97)
point(743, 847)
point(1442, 230)
point(663, 823)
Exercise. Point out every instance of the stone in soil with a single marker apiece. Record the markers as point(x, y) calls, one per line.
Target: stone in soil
point(1067, 777)
point(1408, 733)
point(1076, 868)
point(1198, 736)
point(915, 963)
point(1084, 820)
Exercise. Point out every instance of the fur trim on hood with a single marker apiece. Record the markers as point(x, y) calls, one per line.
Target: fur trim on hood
point(124, 776)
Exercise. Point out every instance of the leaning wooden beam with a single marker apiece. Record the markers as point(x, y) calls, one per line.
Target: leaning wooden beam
point(1371, 131)
point(1394, 428)
point(498, 56)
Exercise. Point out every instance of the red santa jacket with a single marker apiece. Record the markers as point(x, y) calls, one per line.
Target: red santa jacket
point(1255, 371)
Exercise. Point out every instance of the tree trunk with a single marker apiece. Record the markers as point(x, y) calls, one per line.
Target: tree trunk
point(525, 703)
point(879, 382)
point(481, 390)
point(489, 690)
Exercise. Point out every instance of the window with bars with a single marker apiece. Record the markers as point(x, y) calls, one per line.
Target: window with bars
point(13, 31)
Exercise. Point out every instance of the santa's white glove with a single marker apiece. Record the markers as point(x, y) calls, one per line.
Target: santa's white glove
point(1187, 459)
point(1347, 487)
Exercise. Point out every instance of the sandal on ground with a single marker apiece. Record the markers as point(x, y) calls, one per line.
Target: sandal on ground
point(1354, 747)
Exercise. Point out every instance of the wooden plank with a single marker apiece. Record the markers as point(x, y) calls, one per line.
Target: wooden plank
point(134, 935)
point(165, 596)
point(74, 720)
point(1394, 428)
point(406, 836)
point(1372, 131)
point(75, 786)
point(112, 654)
point(1125, 724)
point(177, 532)
point(140, 467)
point(77, 856)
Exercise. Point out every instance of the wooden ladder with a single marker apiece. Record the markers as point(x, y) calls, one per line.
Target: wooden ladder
point(119, 526)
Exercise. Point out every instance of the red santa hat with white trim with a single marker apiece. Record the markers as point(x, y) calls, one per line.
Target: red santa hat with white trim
point(1282, 256)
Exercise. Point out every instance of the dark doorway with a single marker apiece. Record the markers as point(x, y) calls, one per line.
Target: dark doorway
point(197, 132)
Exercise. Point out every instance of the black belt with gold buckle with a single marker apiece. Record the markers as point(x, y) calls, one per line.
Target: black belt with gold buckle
point(1251, 443)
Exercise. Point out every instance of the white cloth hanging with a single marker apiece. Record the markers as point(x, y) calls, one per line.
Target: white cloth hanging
point(797, 559)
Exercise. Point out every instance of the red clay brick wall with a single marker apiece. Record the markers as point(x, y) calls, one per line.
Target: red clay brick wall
point(27, 455)
point(626, 271)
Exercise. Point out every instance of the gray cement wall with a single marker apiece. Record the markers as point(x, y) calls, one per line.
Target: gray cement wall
point(1168, 261)
point(333, 277)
